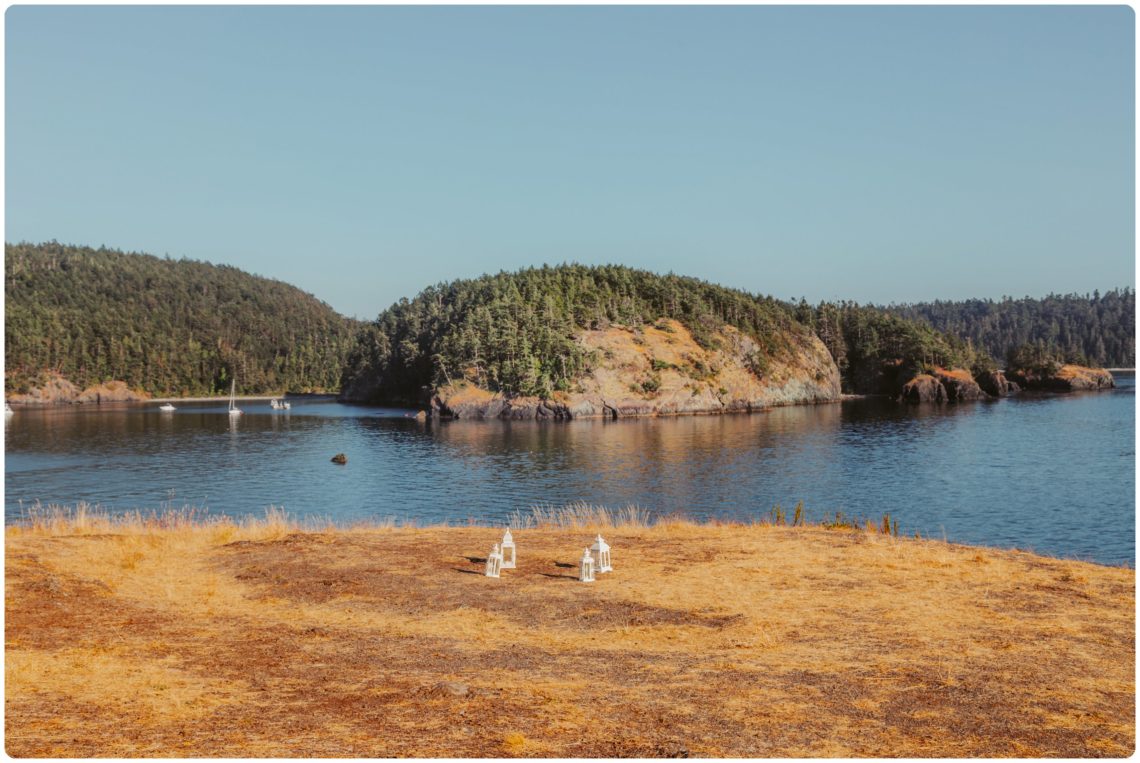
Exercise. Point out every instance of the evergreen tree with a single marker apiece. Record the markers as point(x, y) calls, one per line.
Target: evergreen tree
point(168, 327)
point(1098, 328)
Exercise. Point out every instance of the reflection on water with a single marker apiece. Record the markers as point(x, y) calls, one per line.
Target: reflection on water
point(1053, 473)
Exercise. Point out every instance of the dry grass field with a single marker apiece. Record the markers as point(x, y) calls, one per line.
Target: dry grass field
point(706, 640)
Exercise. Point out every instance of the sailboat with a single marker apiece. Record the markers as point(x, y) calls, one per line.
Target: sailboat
point(234, 410)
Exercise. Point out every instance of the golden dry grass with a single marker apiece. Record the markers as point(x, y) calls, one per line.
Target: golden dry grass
point(261, 640)
point(1090, 376)
point(961, 374)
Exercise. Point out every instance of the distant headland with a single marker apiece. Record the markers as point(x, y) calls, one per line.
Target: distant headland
point(561, 342)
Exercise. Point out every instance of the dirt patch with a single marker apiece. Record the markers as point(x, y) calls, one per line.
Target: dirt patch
point(46, 609)
point(303, 569)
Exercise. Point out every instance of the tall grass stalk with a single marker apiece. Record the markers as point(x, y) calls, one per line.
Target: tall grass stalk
point(87, 519)
point(578, 515)
point(91, 519)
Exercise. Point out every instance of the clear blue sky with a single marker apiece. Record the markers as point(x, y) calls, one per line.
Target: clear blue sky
point(362, 153)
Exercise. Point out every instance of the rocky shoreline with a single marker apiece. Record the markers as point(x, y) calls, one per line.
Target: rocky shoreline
point(936, 385)
point(523, 408)
point(57, 390)
point(662, 372)
point(941, 385)
point(1068, 378)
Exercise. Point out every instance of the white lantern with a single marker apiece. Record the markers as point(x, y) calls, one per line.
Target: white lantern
point(602, 550)
point(494, 562)
point(508, 545)
point(586, 568)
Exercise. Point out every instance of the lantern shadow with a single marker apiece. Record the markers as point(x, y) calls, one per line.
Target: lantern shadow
point(557, 576)
point(565, 566)
point(476, 559)
point(467, 572)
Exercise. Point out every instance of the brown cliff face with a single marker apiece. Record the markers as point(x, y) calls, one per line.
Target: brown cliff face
point(661, 370)
point(1067, 378)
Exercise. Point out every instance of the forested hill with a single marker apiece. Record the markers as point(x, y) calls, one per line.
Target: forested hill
point(878, 352)
point(1095, 329)
point(515, 332)
point(167, 327)
point(525, 333)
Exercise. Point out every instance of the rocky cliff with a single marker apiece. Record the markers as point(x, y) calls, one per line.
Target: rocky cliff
point(661, 370)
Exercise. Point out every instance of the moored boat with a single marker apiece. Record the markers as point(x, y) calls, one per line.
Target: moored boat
point(234, 410)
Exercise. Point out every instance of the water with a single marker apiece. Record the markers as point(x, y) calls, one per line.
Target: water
point(1053, 473)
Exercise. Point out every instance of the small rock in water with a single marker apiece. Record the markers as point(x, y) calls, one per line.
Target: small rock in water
point(340, 458)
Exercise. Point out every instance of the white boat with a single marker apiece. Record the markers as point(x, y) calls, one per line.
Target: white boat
point(234, 410)
point(7, 409)
point(278, 405)
point(166, 407)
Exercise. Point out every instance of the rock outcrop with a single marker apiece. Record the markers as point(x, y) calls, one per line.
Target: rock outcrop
point(996, 384)
point(942, 385)
point(923, 388)
point(111, 392)
point(56, 389)
point(1067, 378)
point(959, 384)
point(661, 370)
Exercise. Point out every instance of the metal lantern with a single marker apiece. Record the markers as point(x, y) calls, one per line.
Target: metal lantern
point(602, 550)
point(586, 568)
point(508, 545)
point(494, 562)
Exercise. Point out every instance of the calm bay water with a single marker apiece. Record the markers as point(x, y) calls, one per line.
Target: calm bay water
point(1053, 473)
